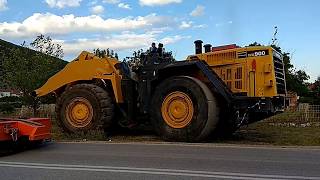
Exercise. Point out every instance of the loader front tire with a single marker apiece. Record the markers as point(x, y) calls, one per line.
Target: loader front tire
point(184, 109)
point(84, 107)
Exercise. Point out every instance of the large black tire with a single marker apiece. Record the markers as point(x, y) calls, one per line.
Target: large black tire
point(205, 114)
point(90, 98)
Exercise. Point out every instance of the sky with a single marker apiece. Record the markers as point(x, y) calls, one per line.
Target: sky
point(127, 25)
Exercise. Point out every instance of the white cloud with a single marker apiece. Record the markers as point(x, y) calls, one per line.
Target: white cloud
point(3, 5)
point(200, 26)
point(111, 1)
point(173, 39)
point(162, 29)
point(223, 24)
point(97, 9)
point(124, 6)
point(198, 11)
point(63, 3)
point(190, 24)
point(120, 42)
point(185, 24)
point(157, 2)
point(92, 3)
point(54, 24)
point(120, 4)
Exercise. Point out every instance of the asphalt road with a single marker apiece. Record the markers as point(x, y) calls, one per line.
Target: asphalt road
point(160, 161)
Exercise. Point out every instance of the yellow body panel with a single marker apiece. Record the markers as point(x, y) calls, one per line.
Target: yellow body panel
point(85, 67)
point(249, 70)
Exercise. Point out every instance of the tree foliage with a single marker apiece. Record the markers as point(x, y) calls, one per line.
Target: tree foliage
point(102, 53)
point(315, 92)
point(255, 44)
point(45, 45)
point(316, 86)
point(27, 70)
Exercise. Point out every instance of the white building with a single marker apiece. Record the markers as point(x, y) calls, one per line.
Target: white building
point(8, 93)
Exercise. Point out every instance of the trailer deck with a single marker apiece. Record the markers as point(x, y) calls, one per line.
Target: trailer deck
point(34, 129)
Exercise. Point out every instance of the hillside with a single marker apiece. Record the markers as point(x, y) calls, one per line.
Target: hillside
point(17, 60)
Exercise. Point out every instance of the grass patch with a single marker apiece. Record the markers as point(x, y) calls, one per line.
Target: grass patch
point(267, 133)
point(139, 134)
point(60, 135)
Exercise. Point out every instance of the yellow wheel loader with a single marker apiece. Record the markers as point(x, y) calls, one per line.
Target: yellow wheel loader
point(215, 91)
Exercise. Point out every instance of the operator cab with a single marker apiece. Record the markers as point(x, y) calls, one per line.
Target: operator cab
point(143, 60)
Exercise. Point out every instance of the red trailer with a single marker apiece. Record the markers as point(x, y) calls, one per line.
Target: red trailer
point(33, 129)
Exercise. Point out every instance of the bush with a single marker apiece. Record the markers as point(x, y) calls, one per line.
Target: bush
point(10, 99)
point(7, 102)
point(7, 108)
point(310, 99)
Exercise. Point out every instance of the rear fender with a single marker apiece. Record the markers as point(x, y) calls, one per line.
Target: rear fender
point(189, 67)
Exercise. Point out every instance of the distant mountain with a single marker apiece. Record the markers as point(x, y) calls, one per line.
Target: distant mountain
point(8, 53)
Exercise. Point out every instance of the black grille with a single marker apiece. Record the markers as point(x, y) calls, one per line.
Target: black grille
point(279, 73)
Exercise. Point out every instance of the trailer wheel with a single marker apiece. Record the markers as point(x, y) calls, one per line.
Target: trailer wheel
point(84, 107)
point(184, 109)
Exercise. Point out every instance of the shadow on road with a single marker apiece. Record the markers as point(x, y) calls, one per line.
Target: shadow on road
point(11, 148)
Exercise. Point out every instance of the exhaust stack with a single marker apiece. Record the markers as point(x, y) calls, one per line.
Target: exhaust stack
point(198, 46)
point(207, 48)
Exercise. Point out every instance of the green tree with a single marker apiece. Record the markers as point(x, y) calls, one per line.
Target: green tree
point(102, 53)
point(2, 83)
point(26, 70)
point(315, 88)
point(255, 44)
point(45, 45)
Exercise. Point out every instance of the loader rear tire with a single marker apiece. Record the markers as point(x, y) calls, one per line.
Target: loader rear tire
point(184, 109)
point(84, 107)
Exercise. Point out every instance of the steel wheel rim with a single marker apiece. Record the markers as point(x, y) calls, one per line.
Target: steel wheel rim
point(79, 112)
point(177, 110)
